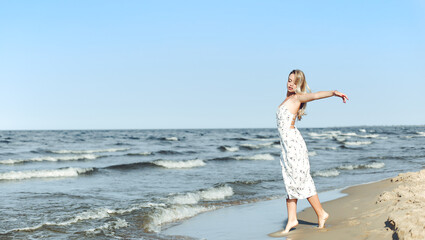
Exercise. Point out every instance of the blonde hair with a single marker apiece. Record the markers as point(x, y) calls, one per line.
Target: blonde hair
point(302, 87)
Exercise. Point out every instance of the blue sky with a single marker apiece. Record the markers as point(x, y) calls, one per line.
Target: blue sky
point(208, 64)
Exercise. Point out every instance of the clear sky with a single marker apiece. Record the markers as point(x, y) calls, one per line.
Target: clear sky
point(86, 64)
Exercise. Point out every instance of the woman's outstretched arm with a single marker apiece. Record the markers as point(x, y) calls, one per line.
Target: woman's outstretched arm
point(308, 97)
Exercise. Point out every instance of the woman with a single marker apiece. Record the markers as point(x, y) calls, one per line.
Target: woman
point(294, 156)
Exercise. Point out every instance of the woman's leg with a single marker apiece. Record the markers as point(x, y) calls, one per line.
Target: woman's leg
point(291, 205)
point(322, 216)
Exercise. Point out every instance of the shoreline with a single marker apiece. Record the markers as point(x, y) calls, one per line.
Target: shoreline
point(374, 210)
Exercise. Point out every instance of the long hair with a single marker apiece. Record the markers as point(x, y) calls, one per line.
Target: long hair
point(302, 87)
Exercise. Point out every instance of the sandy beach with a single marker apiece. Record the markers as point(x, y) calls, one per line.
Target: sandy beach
point(388, 209)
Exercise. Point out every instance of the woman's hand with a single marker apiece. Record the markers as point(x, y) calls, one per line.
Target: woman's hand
point(341, 95)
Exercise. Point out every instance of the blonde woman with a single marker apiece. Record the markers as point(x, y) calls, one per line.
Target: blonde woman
point(294, 155)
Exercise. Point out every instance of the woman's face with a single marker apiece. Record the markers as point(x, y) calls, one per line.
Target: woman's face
point(291, 83)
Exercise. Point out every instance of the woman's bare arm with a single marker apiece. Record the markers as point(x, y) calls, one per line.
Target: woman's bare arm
point(308, 97)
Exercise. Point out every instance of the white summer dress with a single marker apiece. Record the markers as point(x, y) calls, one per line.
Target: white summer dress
point(294, 157)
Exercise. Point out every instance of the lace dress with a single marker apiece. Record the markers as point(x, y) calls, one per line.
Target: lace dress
point(294, 157)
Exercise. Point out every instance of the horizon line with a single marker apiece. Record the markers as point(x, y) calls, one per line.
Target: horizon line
point(116, 129)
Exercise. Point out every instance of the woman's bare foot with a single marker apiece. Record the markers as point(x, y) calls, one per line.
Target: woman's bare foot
point(323, 219)
point(283, 233)
point(290, 225)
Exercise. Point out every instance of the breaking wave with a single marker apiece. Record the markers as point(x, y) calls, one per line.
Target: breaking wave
point(51, 159)
point(54, 173)
point(210, 194)
point(228, 149)
point(326, 173)
point(140, 154)
point(266, 156)
point(362, 166)
point(180, 164)
point(162, 215)
point(358, 143)
point(88, 151)
point(333, 172)
point(312, 153)
point(108, 227)
point(256, 146)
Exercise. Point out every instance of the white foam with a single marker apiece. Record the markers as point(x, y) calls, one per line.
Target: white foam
point(422, 134)
point(211, 194)
point(375, 165)
point(312, 153)
point(89, 151)
point(99, 213)
point(231, 149)
point(357, 166)
point(171, 139)
point(51, 159)
point(257, 146)
point(324, 135)
point(357, 143)
point(326, 173)
point(180, 164)
point(266, 156)
point(108, 227)
point(372, 136)
point(340, 139)
point(349, 134)
point(326, 148)
point(362, 130)
point(170, 214)
point(65, 172)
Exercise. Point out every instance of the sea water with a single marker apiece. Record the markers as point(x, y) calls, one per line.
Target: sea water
point(133, 184)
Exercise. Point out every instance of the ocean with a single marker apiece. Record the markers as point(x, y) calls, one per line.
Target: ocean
point(133, 184)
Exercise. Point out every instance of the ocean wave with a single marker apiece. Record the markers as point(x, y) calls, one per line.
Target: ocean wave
point(108, 227)
point(140, 154)
point(362, 130)
point(326, 173)
point(211, 194)
point(180, 164)
point(340, 139)
point(349, 134)
point(362, 166)
point(170, 138)
point(422, 134)
point(312, 153)
point(256, 146)
point(236, 139)
point(99, 213)
point(54, 173)
point(163, 215)
point(163, 138)
point(51, 159)
point(333, 172)
point(357, 143)
point(376, 136)
point(228, 149)
point(88, 151)
point(266, 156)
point(168, 152)
point(130, 166)
point(324, 135)
point(326, 148)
